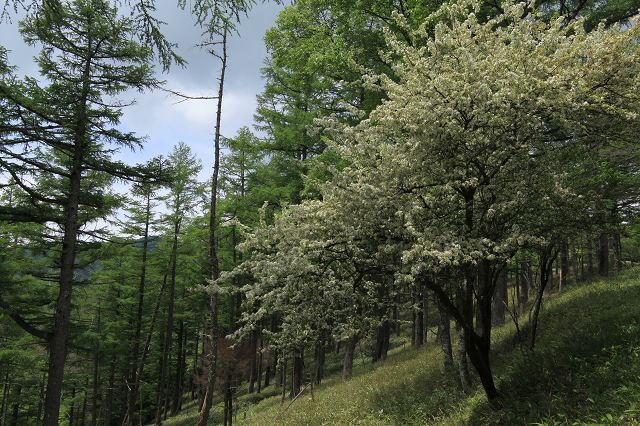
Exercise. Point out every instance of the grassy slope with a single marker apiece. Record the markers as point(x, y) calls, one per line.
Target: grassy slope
point(585, 370)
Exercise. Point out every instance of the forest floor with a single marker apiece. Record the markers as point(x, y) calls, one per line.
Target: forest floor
point(585, 370)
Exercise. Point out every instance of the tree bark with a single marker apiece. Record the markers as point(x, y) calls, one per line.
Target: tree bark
point(603, 254)
point(135, 349)
point(444, 337)
point(62, 316)
point(463, 367)
point(213, 250)
point(564, 265)
point(500, 298)
point(347, 364)
point(296, 374)
point(15, 415)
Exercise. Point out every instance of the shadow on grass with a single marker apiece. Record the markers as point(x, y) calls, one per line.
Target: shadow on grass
point(585, 369)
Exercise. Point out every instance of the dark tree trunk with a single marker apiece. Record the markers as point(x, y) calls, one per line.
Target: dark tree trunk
point(500, 298)
point(589, 253)
point(83, 416)
point(214, 267)
point(444, 337)
point(603, 254)
point(72, 411)
point(15, 415)
point(108, 416)
point(617, 251)
point(5, 398)
point(463, 367)
point(419, 319)
point(254, 361)
point(320, 359)
point(296, 375)
point(547, 257)
point(57, 339)
point(382, 341)
point(179, 379)
point(163, 384)
point(259, 378)
point(96, 380)
point(564, 265)
point(135, 349)
point(347, 364)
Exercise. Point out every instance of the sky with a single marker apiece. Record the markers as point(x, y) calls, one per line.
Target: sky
point(159, 116)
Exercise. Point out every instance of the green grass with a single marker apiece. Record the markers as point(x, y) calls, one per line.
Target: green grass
point(585, 371)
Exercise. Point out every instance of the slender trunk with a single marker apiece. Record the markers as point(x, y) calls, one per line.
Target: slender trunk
point(72, 406)
point(546, 261)
point(43, 383)
point(296, 374)
point(135, 349)
point(177, 386)
point(203, 417)
point(5, 398)
point(500, 298)
point(589, 250)
point(283, 378)
point(96, 377)
point(617, 251)
point(253, 361)
point(83, 416)
point(15, 415)
point(320, 359)
point(603, 254)
point(110, 388)
point(463, 367)
point(564, 265)
point(259, 378)
point(163, 384)
point(444, 336)
point(347, 364)
point(425, 315)
point(420, 321)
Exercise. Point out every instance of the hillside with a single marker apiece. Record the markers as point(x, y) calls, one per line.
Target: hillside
point(585, 370)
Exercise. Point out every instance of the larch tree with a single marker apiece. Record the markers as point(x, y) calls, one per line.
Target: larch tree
point(65, 130)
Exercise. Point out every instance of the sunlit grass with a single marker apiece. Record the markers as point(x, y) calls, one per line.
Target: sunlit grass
point(585, 370)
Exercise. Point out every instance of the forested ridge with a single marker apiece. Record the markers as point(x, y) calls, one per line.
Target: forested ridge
point(437, 190)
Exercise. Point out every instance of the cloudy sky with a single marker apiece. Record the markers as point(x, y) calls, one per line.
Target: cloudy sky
point(159, 116)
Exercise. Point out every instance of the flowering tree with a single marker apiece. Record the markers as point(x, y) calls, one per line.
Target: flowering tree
point(459, 168)
point(471, 129)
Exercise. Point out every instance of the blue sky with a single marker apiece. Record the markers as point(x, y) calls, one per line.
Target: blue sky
point(159, 116)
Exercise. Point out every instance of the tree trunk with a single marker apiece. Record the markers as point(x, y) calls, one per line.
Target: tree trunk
point(564, 265)
point(444, 336)
point(603, 254)
point(259, 378)
point(589, 253)
point(320, 359)
point(96, 378)
point(420, 322)
point(500, 298)
point(62, 317)
point(347, 364)
point(546, 261)
point(463, 367)
point(297, 373)
point(5, 398)
point(203, 417)
point(135, 349)
point(254, 362)
point(83, 416)
point(110, 388)
point(15, 415)
point(163, 385)
point(617, 251)
point(177, 386)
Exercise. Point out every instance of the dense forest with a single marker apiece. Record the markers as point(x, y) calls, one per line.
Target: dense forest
point(415, 168)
